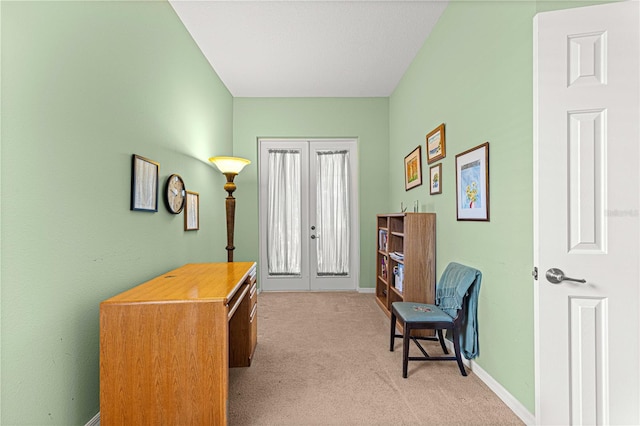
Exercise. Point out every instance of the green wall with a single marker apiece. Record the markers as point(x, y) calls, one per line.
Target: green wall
point(364, 118)
point(475, 74)
point(84, 86)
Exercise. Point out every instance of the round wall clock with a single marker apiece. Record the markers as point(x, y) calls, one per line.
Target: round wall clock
point(175, 195)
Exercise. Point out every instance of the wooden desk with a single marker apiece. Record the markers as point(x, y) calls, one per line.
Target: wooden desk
point(166, 345)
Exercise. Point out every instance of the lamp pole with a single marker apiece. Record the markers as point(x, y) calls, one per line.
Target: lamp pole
point(230, 204)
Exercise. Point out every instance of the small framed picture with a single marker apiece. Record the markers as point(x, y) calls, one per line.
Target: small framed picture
point(435, 179)
point(144, 184)
point(436, 149)
point(472, 183)
point(192, 211)
point(413, 169)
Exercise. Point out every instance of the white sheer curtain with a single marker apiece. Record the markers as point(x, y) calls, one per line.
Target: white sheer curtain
point(284, 250)
point(333, 212)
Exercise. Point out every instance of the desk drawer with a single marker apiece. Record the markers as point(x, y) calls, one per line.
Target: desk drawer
point(253, 294)
point(237, 299)
point(253, 328)
point(243, 320)
point(253, 315)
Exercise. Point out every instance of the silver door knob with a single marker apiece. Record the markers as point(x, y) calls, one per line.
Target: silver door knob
point(556, 276)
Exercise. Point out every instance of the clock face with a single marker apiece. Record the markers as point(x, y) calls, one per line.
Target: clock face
point(175, 195)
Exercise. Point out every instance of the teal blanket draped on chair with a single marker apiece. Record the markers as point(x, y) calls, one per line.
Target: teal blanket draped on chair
point(455, 282)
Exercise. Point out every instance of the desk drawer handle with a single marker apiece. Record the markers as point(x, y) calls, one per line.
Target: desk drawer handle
point(253, 290)
point(253, 312)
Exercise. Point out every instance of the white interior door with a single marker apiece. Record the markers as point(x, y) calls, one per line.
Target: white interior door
point(586, 215)
point(309, 234)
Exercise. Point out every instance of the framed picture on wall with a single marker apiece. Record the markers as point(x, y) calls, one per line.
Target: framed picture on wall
point(435, 179)
point(192, 211)
point(472, 183)
point(144, 184)
point(413, 169)
point(436, 148)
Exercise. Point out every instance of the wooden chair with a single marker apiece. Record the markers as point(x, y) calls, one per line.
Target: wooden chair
point(421, 316)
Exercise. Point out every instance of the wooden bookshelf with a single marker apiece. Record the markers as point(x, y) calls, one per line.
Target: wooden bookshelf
point(413, 235)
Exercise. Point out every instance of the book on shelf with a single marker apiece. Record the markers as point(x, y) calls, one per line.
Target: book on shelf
point(383, 239)
point(398, 274)
point(397, 256)
point(384, 267)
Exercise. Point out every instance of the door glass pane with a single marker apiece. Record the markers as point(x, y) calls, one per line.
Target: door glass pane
point(332, 229)
point(284, 237)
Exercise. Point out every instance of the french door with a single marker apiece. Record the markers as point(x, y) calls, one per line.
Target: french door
point(309, 235)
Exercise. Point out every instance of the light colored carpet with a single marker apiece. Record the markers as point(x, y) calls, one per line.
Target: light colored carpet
point(324, 359)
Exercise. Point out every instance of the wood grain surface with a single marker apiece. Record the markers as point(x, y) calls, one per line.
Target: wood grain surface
point(164, 346)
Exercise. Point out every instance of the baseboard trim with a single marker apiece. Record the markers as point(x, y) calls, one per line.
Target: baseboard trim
point(511, 402)
point(366, 290)
point(95, 420)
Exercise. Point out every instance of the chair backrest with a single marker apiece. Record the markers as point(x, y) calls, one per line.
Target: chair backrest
point(462, 312)
point(457, 294)
point(455, 287)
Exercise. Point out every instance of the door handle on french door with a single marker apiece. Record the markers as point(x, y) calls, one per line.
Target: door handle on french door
point(556, 276)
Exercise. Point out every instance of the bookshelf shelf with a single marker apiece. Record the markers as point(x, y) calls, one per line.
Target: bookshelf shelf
point(399, 293)
point(413, 235)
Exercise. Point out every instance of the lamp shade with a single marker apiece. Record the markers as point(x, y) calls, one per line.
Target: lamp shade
point(229, 164)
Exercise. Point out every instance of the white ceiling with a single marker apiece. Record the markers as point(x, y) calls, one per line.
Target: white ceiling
point(309, 48)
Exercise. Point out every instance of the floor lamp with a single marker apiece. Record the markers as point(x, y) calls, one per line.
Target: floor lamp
point(230, 167)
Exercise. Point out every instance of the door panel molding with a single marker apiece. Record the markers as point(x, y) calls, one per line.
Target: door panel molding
point(587, 181)
point(588, 327)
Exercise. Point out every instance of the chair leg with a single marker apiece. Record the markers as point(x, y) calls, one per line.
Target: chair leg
point(405, 350)
point(456, 347)
point(393, 331)
point(441, 339)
